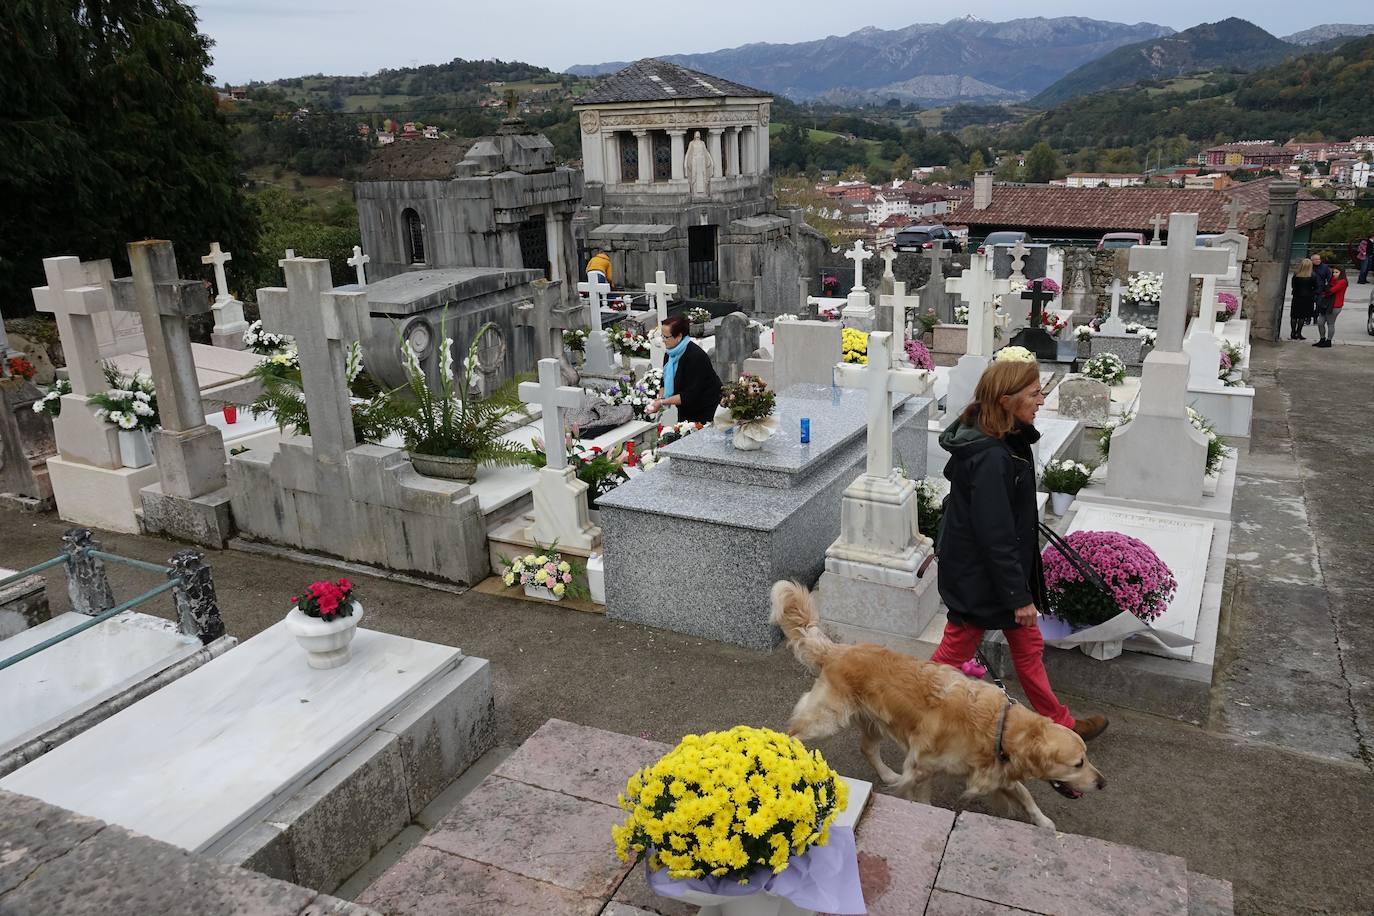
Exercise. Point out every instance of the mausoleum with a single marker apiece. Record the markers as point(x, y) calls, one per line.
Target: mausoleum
point(676, 165)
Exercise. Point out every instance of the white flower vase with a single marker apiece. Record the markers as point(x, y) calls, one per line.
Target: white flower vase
point(759, 904)
point(1060, 502)
point(326, 642)
point(1102, 651)
point(533, 590)
point(135, 448)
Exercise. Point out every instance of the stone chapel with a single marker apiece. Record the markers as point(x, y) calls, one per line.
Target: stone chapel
point(676, 166)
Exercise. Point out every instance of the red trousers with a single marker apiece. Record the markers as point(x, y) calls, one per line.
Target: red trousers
point(1027, 654)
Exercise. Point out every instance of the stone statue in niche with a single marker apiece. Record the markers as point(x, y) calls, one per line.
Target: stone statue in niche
point(697, 166)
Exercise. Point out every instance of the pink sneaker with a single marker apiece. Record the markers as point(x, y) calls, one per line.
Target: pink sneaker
point(973, 669)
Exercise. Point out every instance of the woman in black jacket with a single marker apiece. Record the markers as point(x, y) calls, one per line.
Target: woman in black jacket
point(1304, 299)
point(991, 577)
point(690, 382)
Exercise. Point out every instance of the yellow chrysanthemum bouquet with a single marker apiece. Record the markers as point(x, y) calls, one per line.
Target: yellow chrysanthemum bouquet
point(725, 804)
point(854, 343)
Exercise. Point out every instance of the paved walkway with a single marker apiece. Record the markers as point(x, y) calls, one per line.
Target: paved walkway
point(1276, 795)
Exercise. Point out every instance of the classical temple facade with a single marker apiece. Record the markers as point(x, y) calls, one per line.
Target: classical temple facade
point(676, 167)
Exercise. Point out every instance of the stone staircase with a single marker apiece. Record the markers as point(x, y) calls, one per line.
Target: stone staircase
point(534, 838)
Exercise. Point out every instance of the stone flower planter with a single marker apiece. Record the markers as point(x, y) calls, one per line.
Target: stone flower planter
point(950, 338)
point(697, 330)
point(326, 642)
point(135, 448)
point(442, 466)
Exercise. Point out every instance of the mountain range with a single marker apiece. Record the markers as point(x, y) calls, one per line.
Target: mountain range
point(1229, 44)
point(1044, 60)
point(966, 59)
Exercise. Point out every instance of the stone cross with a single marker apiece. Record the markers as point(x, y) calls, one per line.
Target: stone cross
point(934, 293)
point(1112, 324)
point(290, 255)
point(1019, 252)
point(80, 433)
point(552, 396)
point(1038, 297)
point(549, 316)
point(359, 263)
point(1158, 222)
point(878, 380)
point(978, 287)
point(324, 324)
point(937, 256)
point(900, 303)
point(1234, 210)
point(1179, 262)
point(660, 289)
point(889, 254)
point(858, 254)
point(229, 322)
point(190, 452)
point(598, 353)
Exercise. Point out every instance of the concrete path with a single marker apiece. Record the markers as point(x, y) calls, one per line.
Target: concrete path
point(1275, 796)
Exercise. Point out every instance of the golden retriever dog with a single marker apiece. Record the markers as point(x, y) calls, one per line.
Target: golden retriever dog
point(948, 723)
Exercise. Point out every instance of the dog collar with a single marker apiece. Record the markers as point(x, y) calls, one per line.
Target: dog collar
point(1002, 755)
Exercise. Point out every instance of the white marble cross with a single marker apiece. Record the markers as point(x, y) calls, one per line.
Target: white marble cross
point(290, 254)
point(1113, 324)
point(552, 396)
point(1234, 210)
point(977, 287)
point(858, 254)
point(660, 289)
point(1157, 221)
point(358, 262)
point(900, 303)
point(1179, 262)
point(889, 254)
point(878, 380)
point(229, 322)
point(75, 305)
point(219, 258)
point(598, 352)
point(1019, 251)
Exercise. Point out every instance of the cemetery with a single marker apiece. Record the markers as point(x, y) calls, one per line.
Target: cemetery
point(443, 598)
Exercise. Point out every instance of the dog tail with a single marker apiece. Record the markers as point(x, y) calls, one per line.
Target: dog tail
point(794, 610)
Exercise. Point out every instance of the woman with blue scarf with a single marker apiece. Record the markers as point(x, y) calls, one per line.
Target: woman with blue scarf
point(690, 382)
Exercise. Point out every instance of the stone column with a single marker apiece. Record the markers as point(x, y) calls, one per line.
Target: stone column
point(747, 164)
point(611, 150)
point(731, 152)
point(1272, 271)
point(553, 241)
point(713, 146)
point(679, 153)
point(646, 157)
point(761, 146)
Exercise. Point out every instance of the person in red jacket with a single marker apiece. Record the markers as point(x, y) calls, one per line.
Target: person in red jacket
point(1334, 302)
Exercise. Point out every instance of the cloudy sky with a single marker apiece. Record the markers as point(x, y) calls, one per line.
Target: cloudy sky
point(262, 40)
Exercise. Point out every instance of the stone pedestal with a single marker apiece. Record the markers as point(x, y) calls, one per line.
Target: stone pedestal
point(951, 338)
point(560, 511)
point(859, 312)
point(735, 522)
point(963, 380)
point(1159, 456)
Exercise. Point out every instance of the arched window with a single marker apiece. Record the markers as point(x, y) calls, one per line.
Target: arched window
point(413, 236)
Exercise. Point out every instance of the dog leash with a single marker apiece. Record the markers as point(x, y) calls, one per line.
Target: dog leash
point(1002, 754)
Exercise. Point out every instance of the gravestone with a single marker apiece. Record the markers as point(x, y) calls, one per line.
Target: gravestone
point(1204, 355)
point(888, 252)
point(1112, 324)
point(935, 294)
point(190, 500)
point(874, 567)
point(1035, 338)
point(229, 322)
point(737, 339)
point(1034, 260)
point(893, 310)
point(1159, 455)
point(598, 352)
point(547, 316)
point(1157, 222)
point(359, 262)
point(328, 493)
point(977, 287)
point(1078, 280)
point(1085, 399)
point(660, 289)
point(560, 499)
point(26, 443)
point(805, 353)
point(1238, 244)
point(858, 310)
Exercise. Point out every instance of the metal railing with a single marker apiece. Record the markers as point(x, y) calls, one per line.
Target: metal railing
point(88, 587)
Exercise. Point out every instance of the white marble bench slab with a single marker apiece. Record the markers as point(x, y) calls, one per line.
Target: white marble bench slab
point(208, 754)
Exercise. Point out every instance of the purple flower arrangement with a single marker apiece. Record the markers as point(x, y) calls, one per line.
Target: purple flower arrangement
point(919, 356)
point(1140, 581)
point(1229, 305)
point(1047, 285)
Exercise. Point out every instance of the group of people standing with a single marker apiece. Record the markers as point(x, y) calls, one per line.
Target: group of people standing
point(1319, 295)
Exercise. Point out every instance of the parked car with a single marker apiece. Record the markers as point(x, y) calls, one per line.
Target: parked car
point(919, 238)
point(1003, 238)
point(1114, 240)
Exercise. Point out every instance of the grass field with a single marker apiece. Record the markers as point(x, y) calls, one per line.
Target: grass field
point(317, 189)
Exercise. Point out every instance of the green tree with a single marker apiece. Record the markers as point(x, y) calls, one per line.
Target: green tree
point(1041, 163)
point(902, 166)
point(113, 134)
point(976, 163)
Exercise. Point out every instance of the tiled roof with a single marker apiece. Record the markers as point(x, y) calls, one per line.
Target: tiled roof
point(1125, 209)
point(650, 80)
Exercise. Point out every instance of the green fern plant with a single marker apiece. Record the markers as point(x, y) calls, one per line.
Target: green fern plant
point(283, 397)
point(451, 422)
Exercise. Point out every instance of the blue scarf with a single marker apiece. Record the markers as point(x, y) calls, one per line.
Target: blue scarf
point(670, 365)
